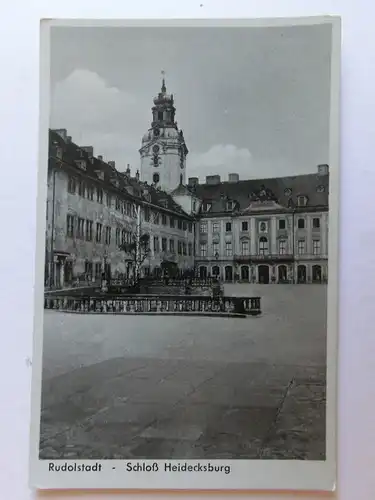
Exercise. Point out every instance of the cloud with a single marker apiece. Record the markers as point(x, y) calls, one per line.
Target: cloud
point(97, 114)
point(220, 159)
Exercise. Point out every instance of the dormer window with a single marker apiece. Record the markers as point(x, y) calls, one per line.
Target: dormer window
point(230, 205)
point(207, 207)
point(100, 174)
point(81, 164)
point(59, 153)
point(287, 192)
point(320, 189)
point(302, 201)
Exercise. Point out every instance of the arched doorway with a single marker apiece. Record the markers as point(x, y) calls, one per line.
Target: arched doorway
point(317, 274)
point(245, 273)
point(301, 274)
point(216, 271)
point(203, 272)
point(263, 274)
point(228, 273)
point(282, 274)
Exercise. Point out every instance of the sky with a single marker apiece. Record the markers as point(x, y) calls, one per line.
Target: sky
point(252, 101)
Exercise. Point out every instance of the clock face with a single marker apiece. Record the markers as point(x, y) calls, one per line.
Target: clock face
point(156, 132)
point(156, 149)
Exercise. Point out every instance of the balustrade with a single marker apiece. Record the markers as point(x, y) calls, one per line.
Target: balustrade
point(249, 306)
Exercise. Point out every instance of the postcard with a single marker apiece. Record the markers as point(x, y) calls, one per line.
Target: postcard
point(186, 293)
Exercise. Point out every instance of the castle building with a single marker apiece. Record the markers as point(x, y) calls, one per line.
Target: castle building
point(93, 209)
point(259, 231)
point(265, 230)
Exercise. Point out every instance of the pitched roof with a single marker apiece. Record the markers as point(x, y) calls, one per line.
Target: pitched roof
point(278, 193)
point(107, 175)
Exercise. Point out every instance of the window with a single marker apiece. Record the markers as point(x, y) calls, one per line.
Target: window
point(160, 115)
point(316, 223)
point(118, 204)
point(203, 227)
point(190, 227)
point(320, 189)
point(244, 247)
point(108, 235)
point(72, 185)
point(99, 195)
point(215, 227)
point(184, 248)
point(124, 237)
point(172, 222)
point(316, 247)
point(181, 176)
point(88, 267)
point(81, 188)
point(228, 227)
point(156, 243)
point(98, 269)
point(301, 247)
point(302, 201)
point(190, 249)
point(155, 178)
point(108, 200)
point(215, 248)
point(164, 244)
point(70, 226)
point(179, 224)
point(147, 214)
point(282, 224)
point(89, 230)
point(263, 227)
point(228, 248)
point(282, 247)
point(206, 207)
point(156, 218)
point(117, 236)
point(164, 219)
point(99, 228)
point(245, 226)
point(229, 205)
point(179, 247)
point(80, 228)
point(184, 225)
point(171, 246)
point(90, 192)
point(129, 209)
point(263, 246)
point(194, 206)
point(301, 224)
point(203, 249)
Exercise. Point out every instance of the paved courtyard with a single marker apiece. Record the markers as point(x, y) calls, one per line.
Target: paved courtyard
point(184, 387)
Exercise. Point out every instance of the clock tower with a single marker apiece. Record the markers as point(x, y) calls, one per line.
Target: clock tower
point(163, 152)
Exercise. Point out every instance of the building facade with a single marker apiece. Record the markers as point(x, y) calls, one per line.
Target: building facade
point(264, 231)
point(93, 209)
point(271, 230)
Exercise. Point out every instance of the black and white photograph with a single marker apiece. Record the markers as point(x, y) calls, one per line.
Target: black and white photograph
point(186, 277)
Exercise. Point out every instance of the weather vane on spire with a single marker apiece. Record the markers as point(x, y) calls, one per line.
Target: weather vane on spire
point(163, 88)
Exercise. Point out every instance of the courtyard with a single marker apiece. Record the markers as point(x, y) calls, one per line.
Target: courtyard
point(131, 387)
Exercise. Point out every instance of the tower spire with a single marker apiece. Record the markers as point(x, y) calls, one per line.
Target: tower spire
point(163, 87)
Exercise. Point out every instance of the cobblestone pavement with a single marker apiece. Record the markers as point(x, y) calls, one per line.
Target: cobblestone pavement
point(148, 387)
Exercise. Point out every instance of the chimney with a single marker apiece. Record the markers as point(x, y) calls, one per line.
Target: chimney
point(112, 164)
point(100, 157)
point(213, 179)
point(68, 139)
point(233, 178)
point(323, 169)
point(63, 133)
point(127, 171)
point(89, 150)
point(193, 181)
point(137, 175)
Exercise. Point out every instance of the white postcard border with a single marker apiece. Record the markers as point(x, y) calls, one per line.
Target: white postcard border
point(245, 474)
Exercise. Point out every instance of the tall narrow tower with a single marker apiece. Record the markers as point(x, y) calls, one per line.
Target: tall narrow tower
point(163, 152)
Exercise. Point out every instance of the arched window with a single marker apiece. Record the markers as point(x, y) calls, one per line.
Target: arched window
point(263, 245)
point(156, 178)
point(181, 178)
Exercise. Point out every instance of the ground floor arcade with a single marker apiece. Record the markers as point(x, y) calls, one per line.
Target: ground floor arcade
point(297, 272)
